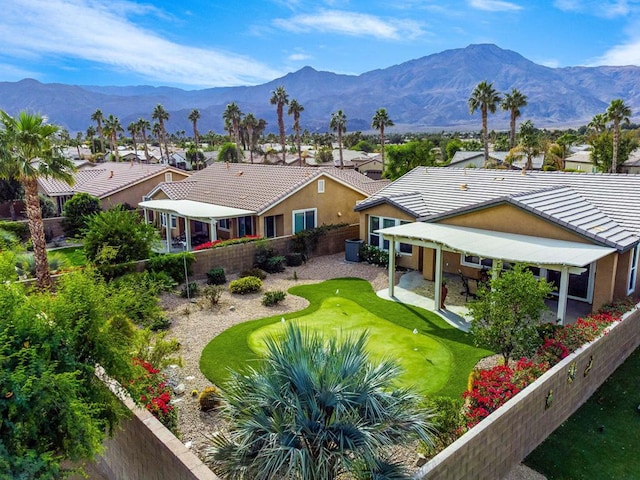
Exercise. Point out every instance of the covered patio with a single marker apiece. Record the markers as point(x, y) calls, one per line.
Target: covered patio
point(205, 213)
point(561, 256)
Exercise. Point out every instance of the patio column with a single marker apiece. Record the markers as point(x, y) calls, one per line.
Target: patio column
point(563, 294)
point(392, 265)
point(146, 216)
point(167, 231)
point(213, 235)
point(187, 232)
point(437, 291)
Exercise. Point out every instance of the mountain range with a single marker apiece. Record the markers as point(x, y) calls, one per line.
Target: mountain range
point(429, 93)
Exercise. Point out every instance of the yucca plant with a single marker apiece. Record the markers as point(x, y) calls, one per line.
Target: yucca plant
point(316, 409)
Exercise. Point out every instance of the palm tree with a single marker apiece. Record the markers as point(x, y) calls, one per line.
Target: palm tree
point(530, 145)
point(232, 117)
point(112, 127)
point(295, 109)
point(98, 117)
point(339, 124)
point(617, 113)
point(598, 123)
point(90, 134)
point(143, 126)
point(279, 98)
point(26, 153)
point(250, 123)
point(194, 116)
point(485, 98)
point(161, 115)
point(132, 128)
point(380, 121)
point(512, 102)
point(317, 408)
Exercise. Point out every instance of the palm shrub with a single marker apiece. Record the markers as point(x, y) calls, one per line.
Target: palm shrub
point(316, 409)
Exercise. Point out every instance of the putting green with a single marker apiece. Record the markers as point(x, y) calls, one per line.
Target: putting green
point(425, 362)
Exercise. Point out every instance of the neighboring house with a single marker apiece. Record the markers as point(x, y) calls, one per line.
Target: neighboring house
point(370, 166)
point(113, 183)
point(632, 165)
point(228, 200)
point(579, 230)
point(463, 159)
point(581, 161)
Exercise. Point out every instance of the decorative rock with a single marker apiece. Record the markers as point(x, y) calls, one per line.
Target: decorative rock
point(232, 308)
point(188, 444)
point(190, 377)
point(179, 389)
point(421, 460)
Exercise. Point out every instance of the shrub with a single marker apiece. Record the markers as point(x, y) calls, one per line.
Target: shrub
point(156, 395)
point(209, 398)
point(306, 241)
point(76, 210)
point(294, 259)
point(137, 294)
point(245, 285)
point(374, 255)
point(449, 421)
point(172, 264)
point(190, 291)
point(267, 259)
point(213, 293)
point(254, 272)
point(275, 264)
point(216, 276)
point(274, 297)
point(20, 229)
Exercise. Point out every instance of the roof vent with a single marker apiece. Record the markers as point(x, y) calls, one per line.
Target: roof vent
point(463, 186)
point(239, 173)
point(111, 174)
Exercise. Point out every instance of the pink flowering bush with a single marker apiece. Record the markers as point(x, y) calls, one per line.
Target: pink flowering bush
point(155, 394)
point(223, 243)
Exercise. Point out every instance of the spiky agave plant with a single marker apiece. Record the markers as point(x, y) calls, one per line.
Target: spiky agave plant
point(315, 409)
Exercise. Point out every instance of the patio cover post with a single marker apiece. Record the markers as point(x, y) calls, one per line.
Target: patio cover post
point(437, 297)
point(392, 265)
point(562, 294)
point(187, 232)
point(167, 234)
point(146, 215)
point(213, 235)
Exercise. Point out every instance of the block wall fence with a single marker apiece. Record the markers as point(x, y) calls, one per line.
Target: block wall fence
point(502, 440)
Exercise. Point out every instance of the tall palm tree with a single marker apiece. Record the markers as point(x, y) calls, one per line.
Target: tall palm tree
point(617, 113)
point(250, 123)
point(339, 124)
point(112, 128)
point(90, 134)
point(143, 126)
point(232, 116)
point(295, 108)
point(513, 102)
point(161, 115)
point(279, 98)
point(486, 99)
point(380, 121)
point(98, 118)
point(194, 116)
point(317, 409)
point(132, 128)
point(26, 153)
point(598, 123)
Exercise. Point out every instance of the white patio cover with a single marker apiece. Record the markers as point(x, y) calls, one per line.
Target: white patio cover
point(508, 247)
point(195, 210)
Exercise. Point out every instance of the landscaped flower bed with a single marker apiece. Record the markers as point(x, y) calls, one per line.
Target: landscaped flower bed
point(491, 388)
point(224, 243)
point(156, 395)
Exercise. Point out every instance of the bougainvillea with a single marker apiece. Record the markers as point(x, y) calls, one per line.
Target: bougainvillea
point(155, 394)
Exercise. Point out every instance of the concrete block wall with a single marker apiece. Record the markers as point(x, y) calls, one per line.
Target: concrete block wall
point(502, 440)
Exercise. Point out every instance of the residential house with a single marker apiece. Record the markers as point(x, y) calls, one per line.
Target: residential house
point(579, 230)
point(632, 165)
point(228, 200)
point(112, 182)
point(475, 159)
point(580, 160)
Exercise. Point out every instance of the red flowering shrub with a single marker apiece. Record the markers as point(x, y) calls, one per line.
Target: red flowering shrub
point(585, 330)
point(224, 243)
point(155, 394)
point(552, 351)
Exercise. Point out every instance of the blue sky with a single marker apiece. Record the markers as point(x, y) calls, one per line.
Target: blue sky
point(198, 43)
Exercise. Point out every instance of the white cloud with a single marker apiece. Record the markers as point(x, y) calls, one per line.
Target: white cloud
point(351, 23)
point(600, 8)
point(494, 5)
point(624, 54)
point(298, 57)
point(102, 32)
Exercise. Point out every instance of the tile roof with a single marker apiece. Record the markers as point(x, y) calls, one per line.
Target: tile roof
point(104, 179)
point(602, 207)
point(257, 187)
point(176, 190)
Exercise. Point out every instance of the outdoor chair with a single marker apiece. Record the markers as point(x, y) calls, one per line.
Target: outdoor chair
point(470, 286)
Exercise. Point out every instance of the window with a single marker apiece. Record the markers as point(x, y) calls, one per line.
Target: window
point(320, 186)
point(172, 220)
point(245, 226)
point(475, 261)
point(304, 219)
point(223, 224)
point(376, 240)
point(168, 177)
point(633, 270)
point(270, 226)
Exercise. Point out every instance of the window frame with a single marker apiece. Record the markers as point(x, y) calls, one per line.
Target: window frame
point(321, 186)
point(383, 244)
point(303, 211)
point(633, 270)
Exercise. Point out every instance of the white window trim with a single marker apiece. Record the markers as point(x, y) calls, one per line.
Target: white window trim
point(633, 270)
point(478, 265)
point(320, 186)
point(168, 177)
point(398, 222)
point(228, 227)
point(304, 210)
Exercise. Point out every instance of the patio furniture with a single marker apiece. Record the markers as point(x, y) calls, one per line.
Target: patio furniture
point(470, 286)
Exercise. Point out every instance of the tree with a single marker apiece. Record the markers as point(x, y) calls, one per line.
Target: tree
point(512, 102)
point(132, 128)
point(194, 116)
point(317, 408)
point(98, 118)
point(598, 124)
point(506, 313)
point(161, 115)
point(295, 109)
point(112, 128)
point(76, 210)
point(232, 116)
point(403, 158)
point(279, 98)
point(380, 121)
point(250, 123)
point(10, 191)
point(529, 146)
point(602, 149)
point(617, 113)
point(229, 152)
point(486, 99)
point(143, 126)
point(26, 153)
point(339, 124)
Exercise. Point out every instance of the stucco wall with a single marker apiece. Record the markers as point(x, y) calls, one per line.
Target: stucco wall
point(501, 441)
point(134, 193)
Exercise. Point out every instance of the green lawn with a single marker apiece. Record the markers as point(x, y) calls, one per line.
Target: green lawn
point(441, 363)
point(73, 255)
point(602, 439)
